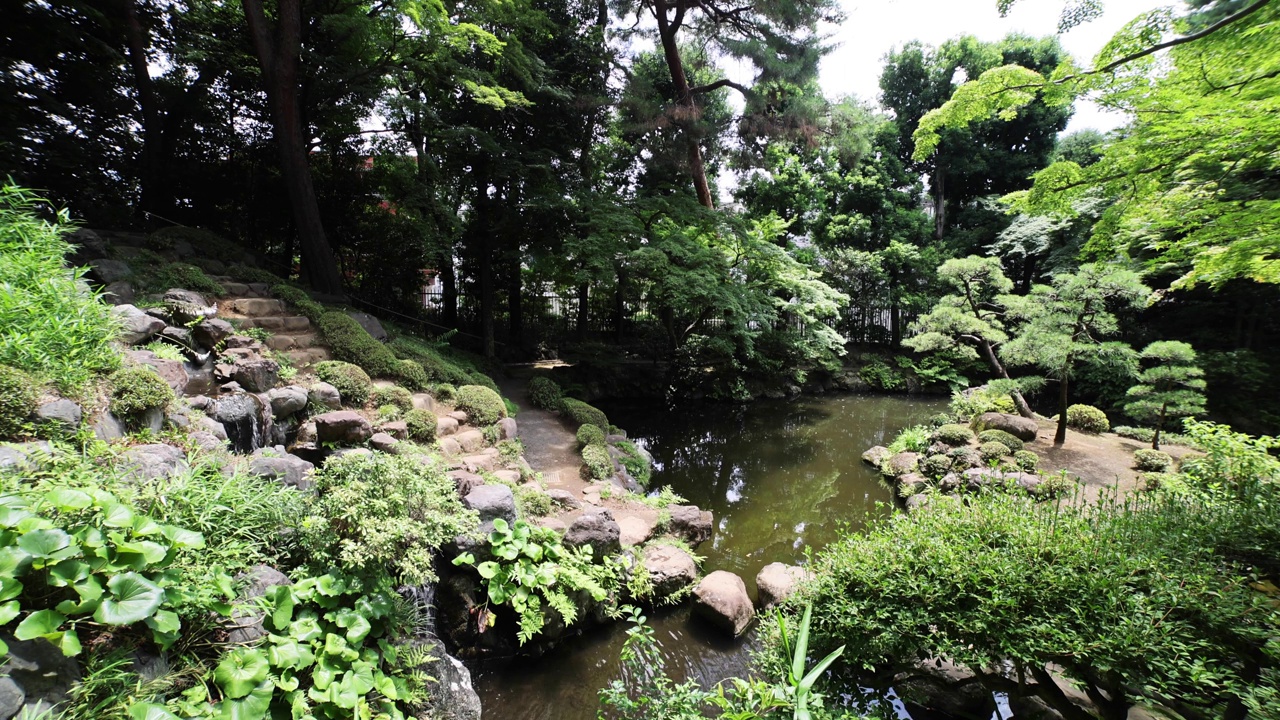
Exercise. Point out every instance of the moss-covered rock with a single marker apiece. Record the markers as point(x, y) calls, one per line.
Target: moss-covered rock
point(581, 413)
point(352, 382)
point(482, 405)
point(392, 395)
point(135, 390)
point(421, 426)
point(18, 397)
point(1002, 437)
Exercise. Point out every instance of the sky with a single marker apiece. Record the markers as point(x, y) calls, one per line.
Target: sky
point(872, 27)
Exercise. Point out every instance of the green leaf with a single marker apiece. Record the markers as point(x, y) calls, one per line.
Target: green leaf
point(182, 538)
point(150, 711)
point(305, 629)
point(68, 572)
point(44, 543)
point(9, 611)
point(151, 552)
point(133, 598)
point(165, 621)
point(465, 559)
point(69, 643)
point(283, 613)
point(254, 706)
point(9, 588)
point(488, 570)
point(240, 672)
point(68, 499)
point(354, 623)
point(39, 623)
point(118, 515)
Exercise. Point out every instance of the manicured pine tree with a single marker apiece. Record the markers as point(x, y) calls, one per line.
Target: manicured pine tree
point(1173, 387)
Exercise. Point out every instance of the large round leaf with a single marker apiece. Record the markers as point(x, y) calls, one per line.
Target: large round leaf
point(43, 543)
point(133, 599)
point(240, 672)
point(38, 623)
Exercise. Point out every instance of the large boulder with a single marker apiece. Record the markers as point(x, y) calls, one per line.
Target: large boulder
point(690, 523)
point(107, 271)
point(492, 502)
point(173, 372)
point(1025, 429)
point(876, 455)
point(278, 465)
point(211, 331)
point(471, 441)
point(635, 530)
point(721, 598)
point(23, 456)
point(564, 498)
point(507, 429)
point(670, 569)
point(61, 412)
point(243, 420)
point(451, 695)
point(325, 395)
point(257, 375)
point(187, 307)
point(900, 464)
point(36, 678)
point(150, 462)
point(446, 426)
point(370, 325)
point(286, 401)
point(465, 481)
point(597, 528)
point(136, 326)
point(345, 427)
point(777, 581)
point(244, 627)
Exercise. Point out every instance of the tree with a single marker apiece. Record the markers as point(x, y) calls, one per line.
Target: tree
point(971, 320)
point(1173, 387)
point(1066, 324)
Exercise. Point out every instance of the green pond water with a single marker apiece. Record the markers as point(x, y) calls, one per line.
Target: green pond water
point(780, 477)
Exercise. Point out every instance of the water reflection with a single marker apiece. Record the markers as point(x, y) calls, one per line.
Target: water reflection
point(779, 476)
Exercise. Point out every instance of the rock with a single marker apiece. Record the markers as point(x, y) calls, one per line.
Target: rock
point(107, 271)
point(22, 456)
point(179, 336)
point(88, 245)
point(564, 498)
point(911, 484)
point(900, 464)
point(507, 429)
point(507, 477)
point(670, 569)
point(470, 441)
point(492, 502)
point(875, 456)
point(257, 375)
point(186, 307)
point(690, 523)
point(423, 401)
point(370, 325)
point(210, 332)
point(446, 426)
point(108, 428)
point(397, 429)
point(450, 447)
point(287, 469)
point(478, 463)
point(460, 416)
point(634, 530)
point(154, 461)
point(173, 372)
point(242, 419)
point(62, 412)
point(245, 624)
point(552, 523)
point(208, 442)
point(383, 442)
point(286, 401)
point(453, 698)
point(136, 326)
point(721, 598)
point(325, 395)
point(306, 433)
point(915, 502)
point(777, 581)
point(598, 529)
point(343, 426)
point(119, 292)
point(209, 425)
point(1024, 429)
point(36, 678)
point(465, 481)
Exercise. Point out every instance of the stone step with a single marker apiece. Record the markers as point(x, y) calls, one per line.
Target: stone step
point(278, 323)
point(237, 290)
point(307, 356)
point(284, 341)
point(258, 307)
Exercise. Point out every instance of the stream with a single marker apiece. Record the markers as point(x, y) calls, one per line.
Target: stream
point(780, 476)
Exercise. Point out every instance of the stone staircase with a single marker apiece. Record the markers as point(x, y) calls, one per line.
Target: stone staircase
point(249, 305)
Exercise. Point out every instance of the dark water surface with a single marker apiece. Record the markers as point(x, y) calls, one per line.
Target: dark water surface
point(779, 476)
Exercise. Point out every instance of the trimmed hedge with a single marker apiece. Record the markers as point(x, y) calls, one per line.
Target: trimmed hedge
point(422, 426)
point(445, 393)
point(993, 451)
point(1087, 418)
point(590, 435)
point(1026, 460)
point(135, 390)
point(300, 300)
point(393, 395)
point(581, 413)
point(352, 382)
point(351, 343)
point(545, 393)
point(597, 463)
point(482, 405)
point(1152, 460)
point(952, 434)
point(17, 400)
point(414, 376)
point(1002, 437)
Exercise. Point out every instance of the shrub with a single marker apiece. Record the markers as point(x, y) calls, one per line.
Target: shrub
point(387, 413)
point(135, 390)
point(482, 405)
point(580, 413)
point(300, 300)
point(636, 463)
point(590, 435)
point(352, 343)
point(912, 439)
point(952, 434)
point(50, 326)
point(880, 376)
point(353, 384)
point(939, 420)
point(935, 466)
point(1087, 418)
point(1001, 437)
point(414, 376)
point(18, 397)
point(968, 404)
point(380, 512)
point(392, 395)
point(1057, 485)
point(166, 276)
point(249, 274)
point(421, 426)
point(963, 458)
point(1135, 433)
point(1152, 460)
point(992, 451)
point(1026, 460)
point(437, 367)
point(544, 393)
point(445, 393)
point(512, 408)
point(479, 378)
point(598, 465)
point(532, 502)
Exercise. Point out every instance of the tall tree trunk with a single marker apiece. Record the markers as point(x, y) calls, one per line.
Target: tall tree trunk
point(278, 58)
point(449, 289)
point(151, 181)
point(1060, 436)
point(584, 296)
point(1155, 439)
point(1019, 401)
point(939, 200)
point(667, 30)
point(620, 305)
point(515, 306)
point(487, 294)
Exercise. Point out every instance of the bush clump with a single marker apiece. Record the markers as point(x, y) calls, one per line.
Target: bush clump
point(597, 465)
point(379, 512)
point(963, 458)
point(421, 426)
point(353, 383)
point(387, 413)
point(17, 400)
point(590, 435)
point(1026, 460)
point(635, 462)
point(479, 378)
point(392, 395)
point(352, 343)
point(935, 466)
point(581, 413)
point(1152, 460)
point(992, 451)
point(135, 390)
point(532, 502)
point(1087, 418)
point(167, 276)
point(482, 405)
point(952, 434)
point(414, 376)
point(209, 243)
point(912, 439)
point(438, 368)
point(1002, 437)
point(545, 393)
point(300, 300)
point(250, 274)
point(1135, 433)
point(445, 393)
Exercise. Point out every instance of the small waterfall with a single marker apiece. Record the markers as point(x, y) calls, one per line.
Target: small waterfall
point(241, 416)
point(423, 598)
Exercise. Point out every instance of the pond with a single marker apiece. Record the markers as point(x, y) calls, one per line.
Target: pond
point(780, 477)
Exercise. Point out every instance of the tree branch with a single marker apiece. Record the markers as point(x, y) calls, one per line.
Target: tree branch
point(726, 82)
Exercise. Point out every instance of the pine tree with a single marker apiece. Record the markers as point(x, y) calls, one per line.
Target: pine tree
point(1173, 387)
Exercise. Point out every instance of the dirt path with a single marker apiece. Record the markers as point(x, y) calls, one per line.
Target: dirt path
point(549, 446)
point(1099, 461)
